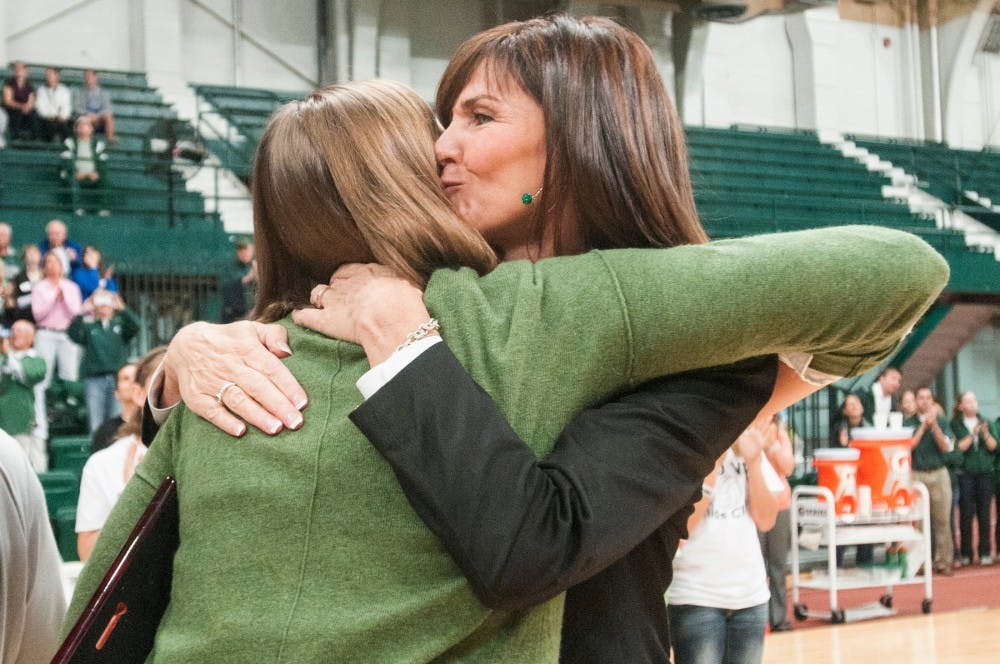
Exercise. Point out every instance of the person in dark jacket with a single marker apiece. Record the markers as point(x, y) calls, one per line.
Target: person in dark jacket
point(103, 329)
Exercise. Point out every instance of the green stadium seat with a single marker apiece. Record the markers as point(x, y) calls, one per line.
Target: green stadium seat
point(62, 489)
point(65, 532)
point(69, 453)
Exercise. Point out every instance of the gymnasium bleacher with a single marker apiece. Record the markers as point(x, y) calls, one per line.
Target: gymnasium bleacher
point(245, 111)
point(166, 249)
point(947, 173)
point(750, 181)
point(747, 180)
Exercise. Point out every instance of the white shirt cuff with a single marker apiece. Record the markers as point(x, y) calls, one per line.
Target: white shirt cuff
point(799, 363)
point(375, 378)
point(153, 397)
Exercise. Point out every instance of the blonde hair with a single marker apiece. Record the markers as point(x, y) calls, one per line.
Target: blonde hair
point(348, 174)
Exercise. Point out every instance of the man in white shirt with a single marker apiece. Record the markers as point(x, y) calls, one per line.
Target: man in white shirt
point(54, 106)
point(878, 400)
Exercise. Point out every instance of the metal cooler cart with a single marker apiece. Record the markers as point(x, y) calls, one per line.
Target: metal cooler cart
point(815, 522)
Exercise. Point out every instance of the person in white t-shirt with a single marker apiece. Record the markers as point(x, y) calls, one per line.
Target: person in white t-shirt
point(108, 471)
point(55, 107)
point(717, 602)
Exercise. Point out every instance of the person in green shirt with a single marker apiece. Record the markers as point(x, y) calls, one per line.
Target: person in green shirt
point(977, 484)
point(932, 442)
point(995, 432)
point(239, 283)
point(20, 370)
point(302, 546)
point(104, 329)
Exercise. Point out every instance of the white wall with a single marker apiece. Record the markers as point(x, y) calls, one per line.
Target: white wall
point(978, 369)
point(276, 43)
point(747, 74)
point(970, 82)
point(812, 70)
point(95, 34)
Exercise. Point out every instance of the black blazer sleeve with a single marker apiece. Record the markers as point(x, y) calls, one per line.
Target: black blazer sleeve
point(149, 426)
point(524, 530)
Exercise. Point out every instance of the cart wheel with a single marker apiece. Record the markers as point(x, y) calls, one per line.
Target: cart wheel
point(837, 616)
point(925, 606)
point(886, 601)
point(800, 611)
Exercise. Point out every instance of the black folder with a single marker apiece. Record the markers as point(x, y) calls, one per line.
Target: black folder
point(119, 622)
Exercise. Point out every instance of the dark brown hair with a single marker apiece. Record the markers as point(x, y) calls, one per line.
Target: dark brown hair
point(348, 175)
point(616, 171)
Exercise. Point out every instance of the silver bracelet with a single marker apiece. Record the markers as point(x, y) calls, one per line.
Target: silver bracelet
point(422, 331)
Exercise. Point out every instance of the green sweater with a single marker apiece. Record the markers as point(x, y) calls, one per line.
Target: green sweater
point(926, 453)
point(302, 547)
point(105, 349)
point(995, 430)
point(976, 459)
point(17, 394)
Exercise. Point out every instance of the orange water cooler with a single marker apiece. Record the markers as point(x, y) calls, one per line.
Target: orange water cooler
point(885, 466)
point(837, 470)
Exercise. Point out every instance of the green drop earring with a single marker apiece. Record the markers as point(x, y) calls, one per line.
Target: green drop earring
point(527, 198)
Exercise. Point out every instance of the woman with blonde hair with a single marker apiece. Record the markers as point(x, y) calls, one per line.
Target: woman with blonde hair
point(302, 546)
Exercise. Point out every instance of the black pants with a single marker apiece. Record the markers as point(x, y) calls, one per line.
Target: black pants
point(22, 125)
point(774, 546)
point(975, 495)
point(50, 128)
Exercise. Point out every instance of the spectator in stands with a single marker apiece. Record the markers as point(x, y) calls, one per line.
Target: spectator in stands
point(107, 472)
point(932, 441)
point(908, 403)
point(775, 543)
point(6, 301)
point(8, 256)
point(10, 267)
point(108, 431)
point(91, 275)
point(32, 599)
point(717, 601)
point(19, 102)
point(55, 300)
point(878, 400)
point(57, 242)
point(239, 289)
point(84, 168)
point(978, 447)
point(3, 127)
point(94, 103)
point(55, 108)
point(995, 432)
point(21, 287)
point(103, 329)
point(852, 416)
point(20, 370)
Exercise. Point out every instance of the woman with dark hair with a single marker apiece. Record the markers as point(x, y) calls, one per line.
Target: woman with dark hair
point(303, 547)
point(529, 175)
point(977, 447)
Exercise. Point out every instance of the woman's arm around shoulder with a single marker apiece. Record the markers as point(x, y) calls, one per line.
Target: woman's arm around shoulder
point(523, 530)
